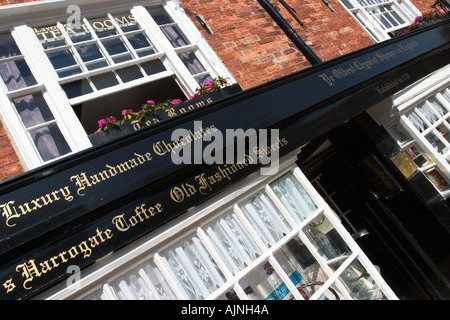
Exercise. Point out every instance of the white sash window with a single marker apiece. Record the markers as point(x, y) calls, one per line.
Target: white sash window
point(118, 57)
point(382, 19)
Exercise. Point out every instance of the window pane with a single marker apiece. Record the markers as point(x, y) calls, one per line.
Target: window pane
point(152, 67)
point(303, 270)
point(326, 239)
point(104, 80)
point(143, 283)
point(64, 62)
point(437, 143)
point(193, 268)
point(50, 142)
point(8, 47)
point(360, 284)
point(192, 63)
point(117, 50)
point(293, 196)
point(160, 16)
point(264, 283)
point(33, 109)
point(416, 121)
point(92, 56)
point(232, 241)
point(16, 74)
point(139, 41)
point(77, 88)
point(175, 36)
point(426, 110)
point(265, 218)
point(114, 46)
point(130, 73)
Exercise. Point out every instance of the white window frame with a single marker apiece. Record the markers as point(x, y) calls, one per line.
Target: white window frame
point(147, 248)
point(409, 99)
point(28, 16)
point(362, 13)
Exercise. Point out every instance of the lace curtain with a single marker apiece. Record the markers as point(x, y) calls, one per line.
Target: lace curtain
point(293, 197)
point(193, 268)
point(143, 283)
point(233, 242)
point(265, 218)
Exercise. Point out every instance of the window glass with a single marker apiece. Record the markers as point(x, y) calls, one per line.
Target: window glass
point(64, 62)
point(50, 142)
point(264, 283)
point(360, 284)
point(92, 56)
point(14, 71)
point(293, 197)
point(170, 29)
point(33, 109)
point(130, 73)
point(117, 50)
point(265, 217)
point(327, 240)
point(233, 241)
point(152, 67)
point(143, 283)
point(104, 80)
point(77, 88)
point(193, 268)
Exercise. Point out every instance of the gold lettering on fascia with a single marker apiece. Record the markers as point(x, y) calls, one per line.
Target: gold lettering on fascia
point(142, 213)
point(162, 147)
point(82, 180)
point(31, 269)
point(205, 183)
point(52, 33)
point(171, 112)
point(366, 64)
point(10, 210)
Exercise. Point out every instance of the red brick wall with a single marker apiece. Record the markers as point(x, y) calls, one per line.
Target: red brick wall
point(256, 50)
point(9, 162)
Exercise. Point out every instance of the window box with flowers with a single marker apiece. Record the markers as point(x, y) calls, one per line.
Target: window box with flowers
point(424, 20)
point(152, 112)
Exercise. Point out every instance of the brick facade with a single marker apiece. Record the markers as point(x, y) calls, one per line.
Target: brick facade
point(252, 46)
point(256, 50)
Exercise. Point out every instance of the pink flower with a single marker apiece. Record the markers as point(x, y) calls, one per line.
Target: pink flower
point(176, 101)
point(124, 112)
point(208, 83)
point(101, 122)
point(112, 119)
point(150, 102)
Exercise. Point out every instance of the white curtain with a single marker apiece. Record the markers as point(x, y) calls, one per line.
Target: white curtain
point(233, 242)
point(293, 197)
point(193, 267)
point(265, 218)
point(143, 283)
